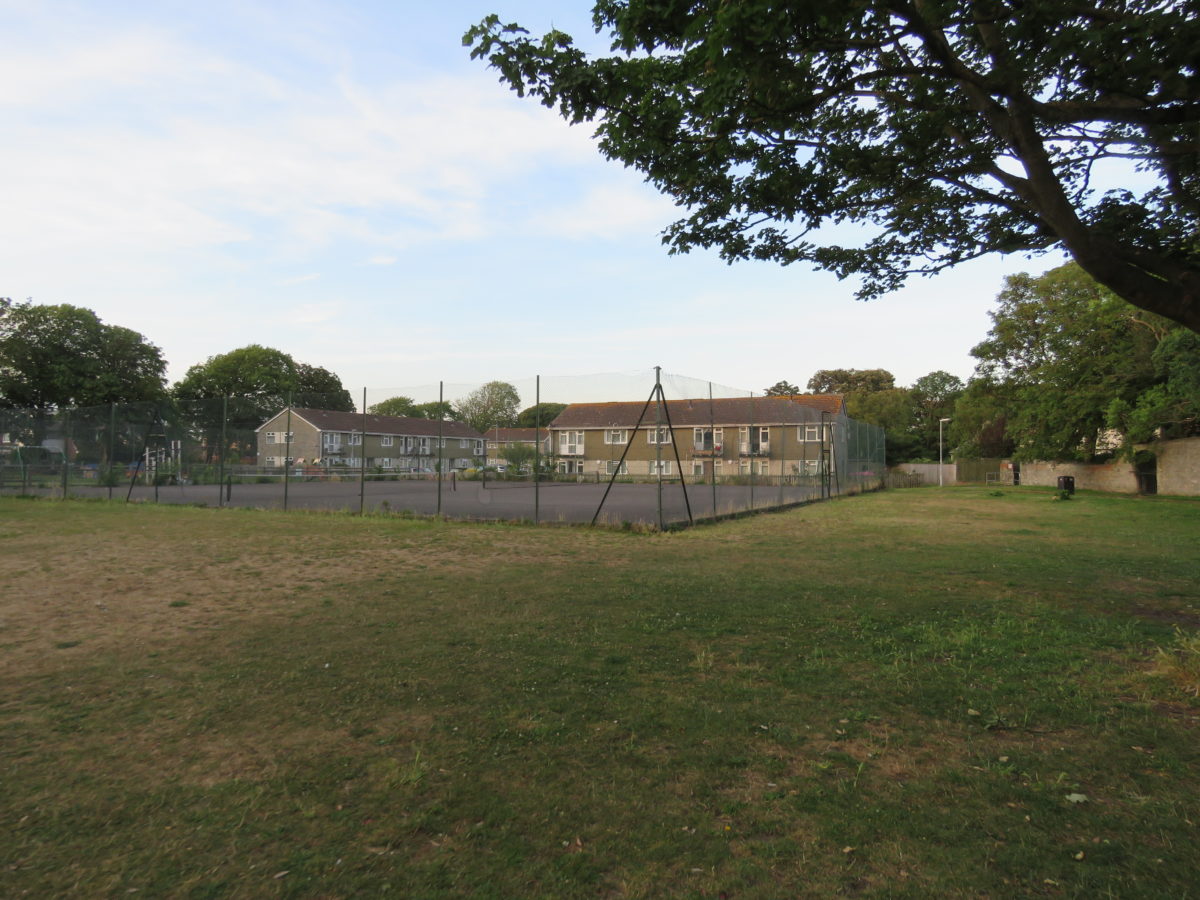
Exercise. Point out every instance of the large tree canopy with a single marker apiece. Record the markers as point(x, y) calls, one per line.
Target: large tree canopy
point(1066, 360)
point(949, 129)
point(270, 375)
point(63, 355)
point(495, 403)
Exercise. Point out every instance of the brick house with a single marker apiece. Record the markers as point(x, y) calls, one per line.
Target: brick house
point(322, 437)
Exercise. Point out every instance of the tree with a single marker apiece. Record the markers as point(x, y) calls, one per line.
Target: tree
point(1063, 352)
point(65, 356)
point(933, 397)
point(229, 395)
point(945, 130)
point(851, 381)
point(436, 409)
point(891, 410)
point(394, 406)
point(519, 457)
point(540, 414)
point(496, 403)
point(782, 389)
point(270, 376)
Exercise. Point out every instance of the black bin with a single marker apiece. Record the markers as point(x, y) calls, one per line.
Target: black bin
point(1066, 483)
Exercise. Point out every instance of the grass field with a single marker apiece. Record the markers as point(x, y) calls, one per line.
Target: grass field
point(919, 693)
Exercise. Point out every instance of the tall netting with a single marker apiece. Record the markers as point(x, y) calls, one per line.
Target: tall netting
point(644, 447)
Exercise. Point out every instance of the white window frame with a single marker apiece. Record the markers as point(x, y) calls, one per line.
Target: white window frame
point(422, 445)
point(385, 440)
point(269, 461)
point(698, 467)
point(718, 438)
point(271, 438)
point(570, 443)
point(384, 462)
point(570, 466)
point(355, 439)
point(658, 435)
point(616, 436)
point(665, 466)
point(479, 448)
point(616, 466)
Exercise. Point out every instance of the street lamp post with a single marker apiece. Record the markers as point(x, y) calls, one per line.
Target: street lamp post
point(941, 480)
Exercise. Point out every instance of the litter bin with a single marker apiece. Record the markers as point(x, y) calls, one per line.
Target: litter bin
point(1066, 483)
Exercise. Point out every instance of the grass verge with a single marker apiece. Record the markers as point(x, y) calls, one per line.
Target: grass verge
point(933, 692)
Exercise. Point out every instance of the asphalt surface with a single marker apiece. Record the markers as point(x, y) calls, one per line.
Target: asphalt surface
point(556, 501)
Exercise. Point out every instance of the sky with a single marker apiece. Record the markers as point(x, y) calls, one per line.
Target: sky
point(342, 182)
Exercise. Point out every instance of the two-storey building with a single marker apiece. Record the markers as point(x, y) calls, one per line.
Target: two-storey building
point(763, 436)
point(322, 437)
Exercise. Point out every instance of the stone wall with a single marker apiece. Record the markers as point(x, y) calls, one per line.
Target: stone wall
point(1178, 466)
point(1117, 477)
point(1178, 471)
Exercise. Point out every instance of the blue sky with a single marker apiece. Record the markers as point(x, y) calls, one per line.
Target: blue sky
point(341, 181)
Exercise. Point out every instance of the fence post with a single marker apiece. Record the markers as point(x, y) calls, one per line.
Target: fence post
point(658, 438)
point(537, 448)
point(362, 479)
point(224, 451)
point(66, 473)
point(287, 451)
point(441, 432)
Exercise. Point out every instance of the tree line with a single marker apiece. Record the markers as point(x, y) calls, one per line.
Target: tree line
point(1068, 371)
point(63, 356)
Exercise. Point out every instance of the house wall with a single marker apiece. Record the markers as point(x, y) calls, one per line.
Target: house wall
point(305, 444)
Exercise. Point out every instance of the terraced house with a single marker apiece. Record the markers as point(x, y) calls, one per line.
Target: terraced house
point(764, 436)
point(322, 437)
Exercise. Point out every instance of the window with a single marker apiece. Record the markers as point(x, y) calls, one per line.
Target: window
point(658, 436)
point(479, 448)
point(754, 439)
point(744, 467)
point(698, 467)
point(332, 440)
point(355, 439)
point(616, 467)
point(764, 467)
point(707, 439)
point(385, 440)
point(813, 431)
point(270, 461)
point(384, 462)
point(271, 439)
point(616, 435)
point(662, 467)
point(570, 443)
point(570, 466)
point(423, 445)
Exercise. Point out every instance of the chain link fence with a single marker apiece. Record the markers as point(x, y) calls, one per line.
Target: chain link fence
point(641, 448)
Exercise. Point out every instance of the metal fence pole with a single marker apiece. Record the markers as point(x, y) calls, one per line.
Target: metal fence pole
point(537, 447)
point(362, 478)
point(712, 425)
point(224, 451)
point(441, 451)
point(783, 429)
point(658, 438)
point(66, 473)
point(287, 451)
